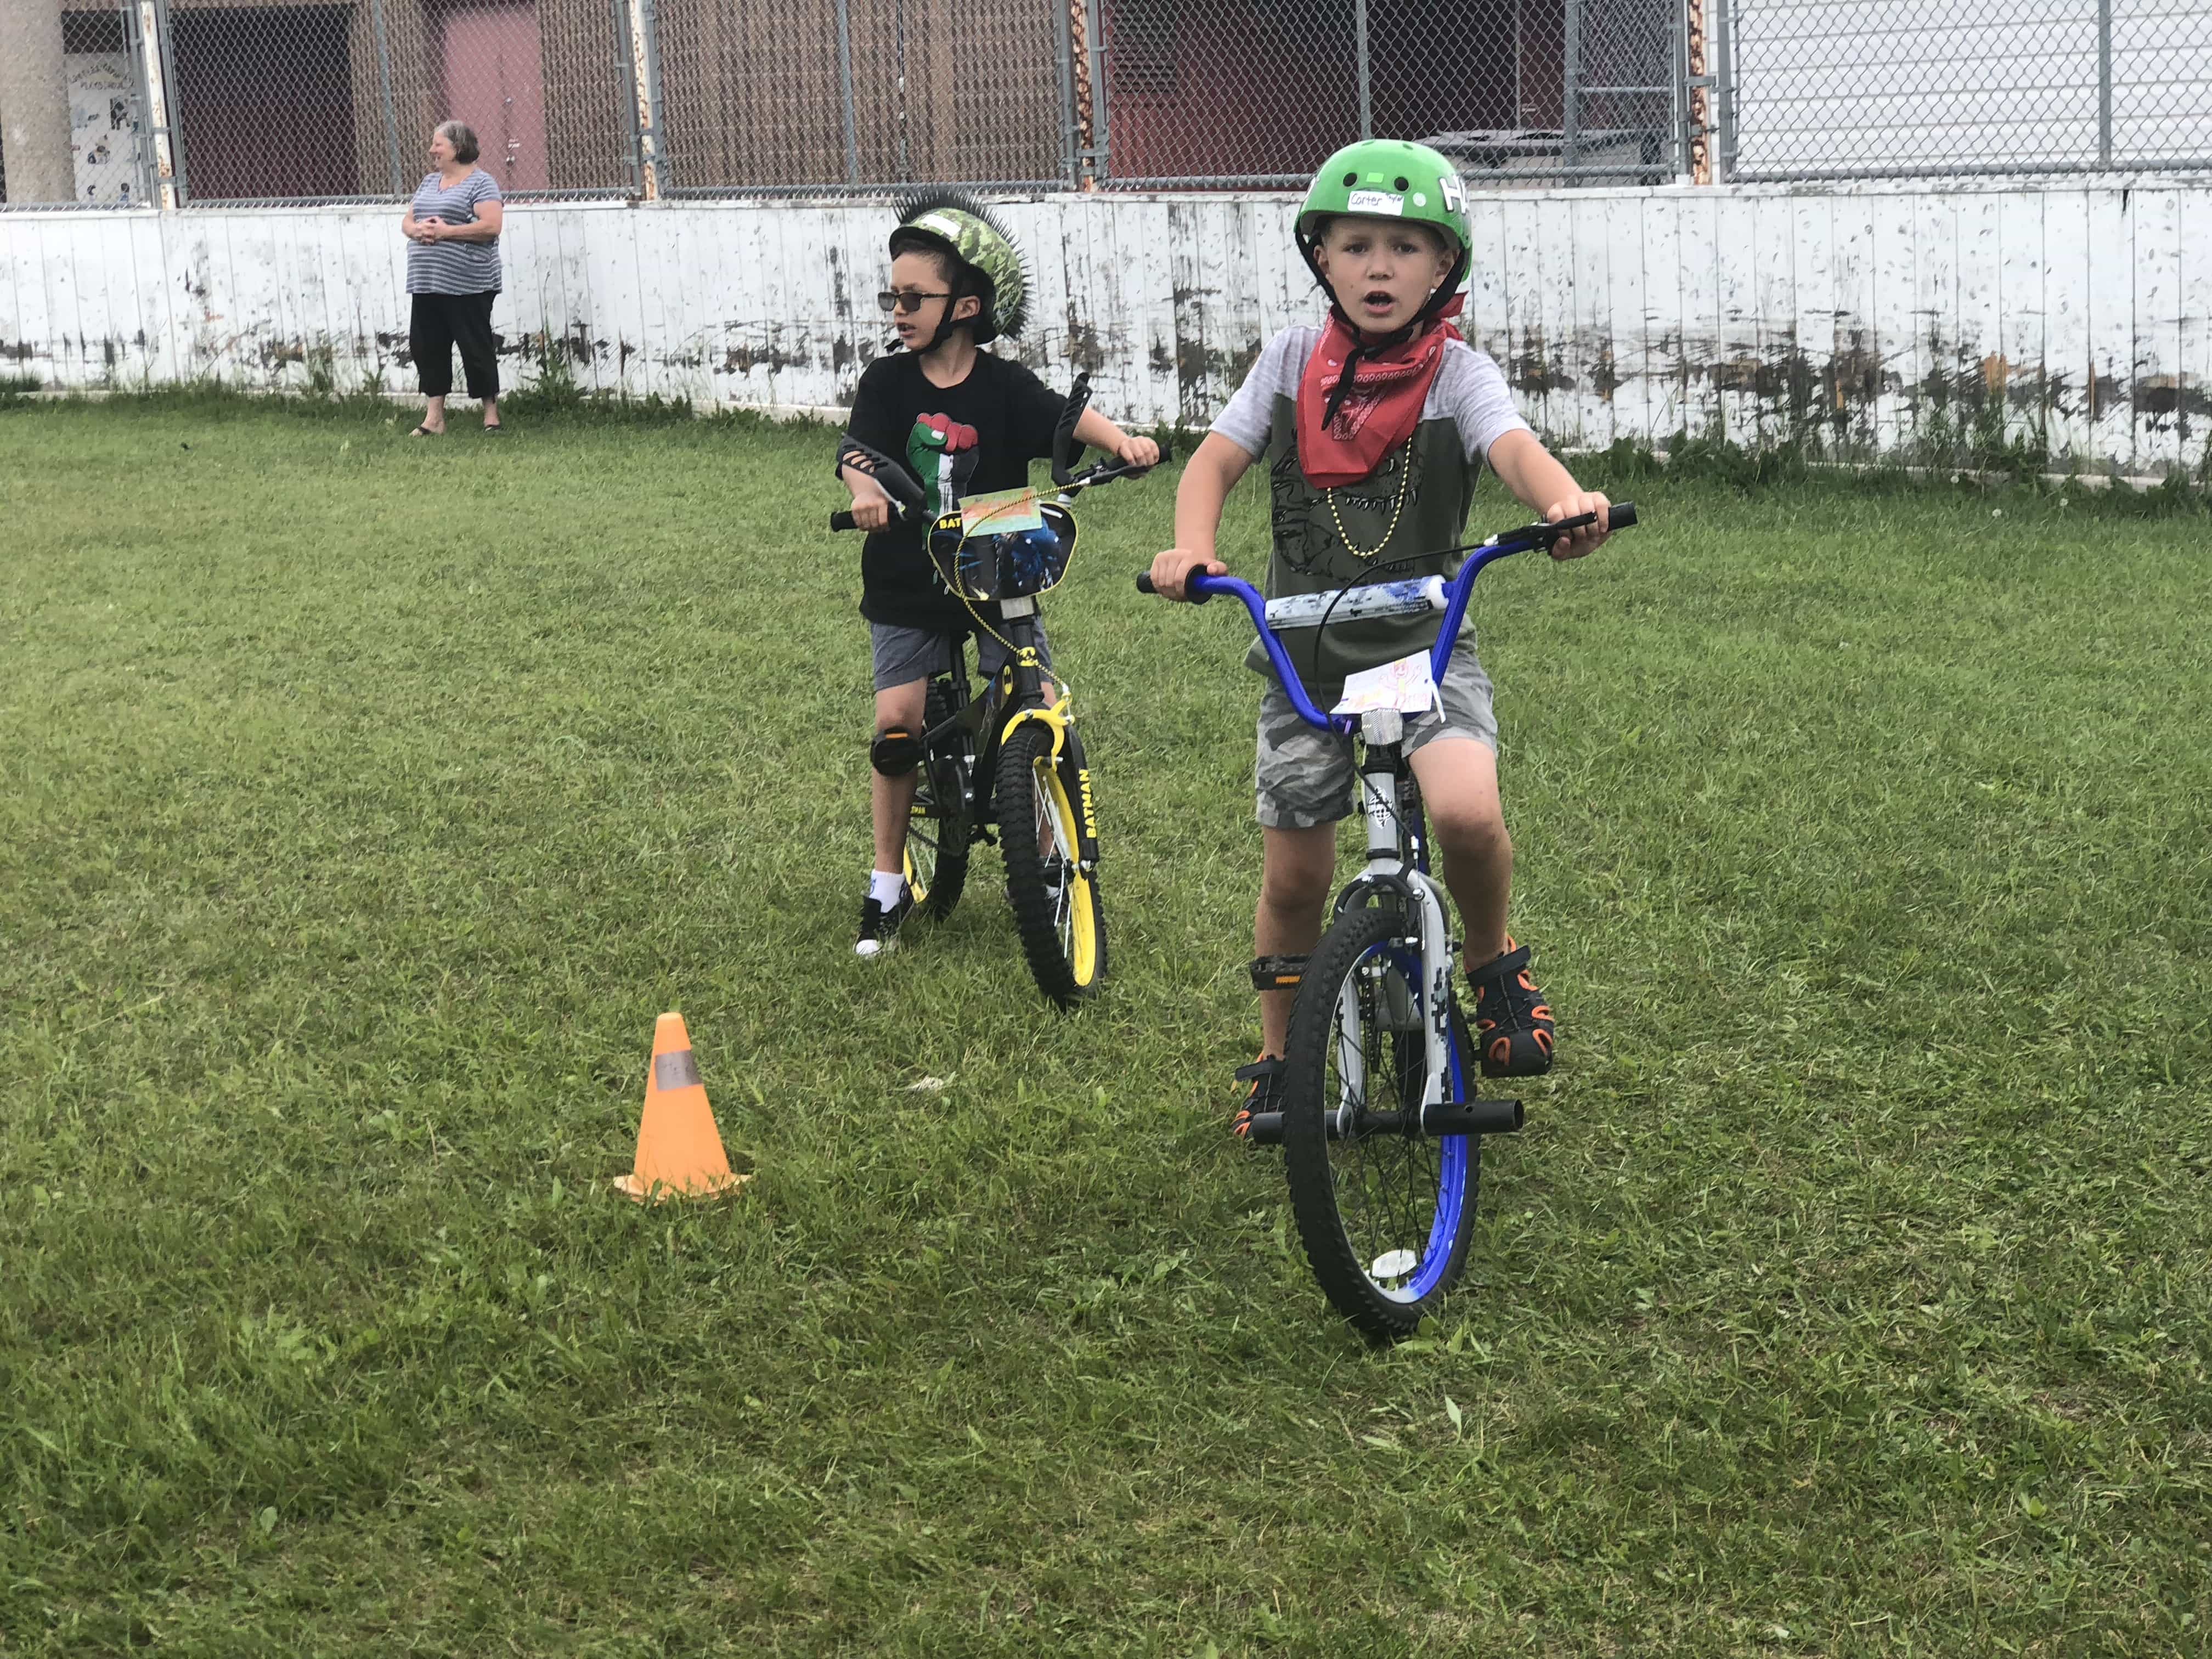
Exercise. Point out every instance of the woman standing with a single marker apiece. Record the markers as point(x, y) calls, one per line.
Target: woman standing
point(452, 274)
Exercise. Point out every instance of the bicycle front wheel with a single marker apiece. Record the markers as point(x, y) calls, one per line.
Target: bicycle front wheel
point(1384, 1214)
point(1057, 908)
point(939, 826)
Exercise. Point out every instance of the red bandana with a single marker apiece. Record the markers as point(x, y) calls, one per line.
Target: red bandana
point(1383, 406)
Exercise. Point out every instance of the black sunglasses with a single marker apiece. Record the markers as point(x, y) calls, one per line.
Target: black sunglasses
point(894, 300)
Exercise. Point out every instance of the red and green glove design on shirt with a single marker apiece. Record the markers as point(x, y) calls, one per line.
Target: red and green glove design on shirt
point(942, 453)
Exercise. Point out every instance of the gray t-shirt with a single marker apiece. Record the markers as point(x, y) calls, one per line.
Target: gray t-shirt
point(1417, 499)
point(453, 267)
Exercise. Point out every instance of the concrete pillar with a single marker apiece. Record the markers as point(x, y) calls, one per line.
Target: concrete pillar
point(34, 111)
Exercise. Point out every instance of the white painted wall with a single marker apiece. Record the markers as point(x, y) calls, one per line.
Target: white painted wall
point(2087, 311)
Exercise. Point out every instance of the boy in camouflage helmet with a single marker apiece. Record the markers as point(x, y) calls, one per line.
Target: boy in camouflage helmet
point(964, 422)
point(1374, 426)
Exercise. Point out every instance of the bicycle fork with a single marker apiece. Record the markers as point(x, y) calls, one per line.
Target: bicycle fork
point(1058, 718)
point(1392, 876)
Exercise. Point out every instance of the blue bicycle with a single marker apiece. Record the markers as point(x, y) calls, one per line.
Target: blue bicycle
point(1381, 1128)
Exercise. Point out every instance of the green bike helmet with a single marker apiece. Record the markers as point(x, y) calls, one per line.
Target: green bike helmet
point(986, 263)
point(1389, 178)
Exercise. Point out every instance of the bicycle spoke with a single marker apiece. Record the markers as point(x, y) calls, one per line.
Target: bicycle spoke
point(1386, 1184)
point(1055, 839)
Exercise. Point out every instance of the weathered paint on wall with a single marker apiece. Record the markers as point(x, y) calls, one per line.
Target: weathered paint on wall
point(2077, 319)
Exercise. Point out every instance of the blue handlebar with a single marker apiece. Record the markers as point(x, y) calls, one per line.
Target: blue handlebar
point(1204, 587)
point(1462, 587)
point(1201, 587)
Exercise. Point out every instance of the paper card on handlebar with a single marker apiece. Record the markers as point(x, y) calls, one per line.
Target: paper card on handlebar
point(1000, 510)
point(1407, 685)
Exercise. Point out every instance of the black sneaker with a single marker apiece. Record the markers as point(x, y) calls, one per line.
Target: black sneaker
point(1265, 1074)
point(879, 927)
point(1512, 1023)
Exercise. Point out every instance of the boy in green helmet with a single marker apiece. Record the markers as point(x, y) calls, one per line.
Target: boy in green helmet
point(962, 422)
point(1374, 426)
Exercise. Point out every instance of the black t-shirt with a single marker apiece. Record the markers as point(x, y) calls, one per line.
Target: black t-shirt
point(1013, 414)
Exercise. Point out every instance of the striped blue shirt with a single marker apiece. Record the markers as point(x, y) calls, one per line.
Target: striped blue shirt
point(453, 267)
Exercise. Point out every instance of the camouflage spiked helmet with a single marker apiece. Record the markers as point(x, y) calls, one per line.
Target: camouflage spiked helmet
point(989, 265)
point(1389, 178)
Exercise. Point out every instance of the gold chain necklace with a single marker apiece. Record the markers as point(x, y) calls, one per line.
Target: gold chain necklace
point(1366, 555)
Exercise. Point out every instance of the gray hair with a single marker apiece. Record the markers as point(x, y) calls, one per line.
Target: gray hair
point(461, 136)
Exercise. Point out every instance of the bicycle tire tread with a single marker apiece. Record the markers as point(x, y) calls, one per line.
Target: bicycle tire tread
point(1033, 906)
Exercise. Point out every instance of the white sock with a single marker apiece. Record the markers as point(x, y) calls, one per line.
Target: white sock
point(886, 887)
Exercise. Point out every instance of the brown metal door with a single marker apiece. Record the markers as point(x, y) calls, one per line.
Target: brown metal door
point(495, 80)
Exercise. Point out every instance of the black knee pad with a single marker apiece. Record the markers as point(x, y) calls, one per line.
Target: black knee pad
point(896, 751)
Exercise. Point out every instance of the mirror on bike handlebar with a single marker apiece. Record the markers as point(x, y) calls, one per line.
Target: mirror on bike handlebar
point(897, 482)
point(1065, 451)
point(1005, 564)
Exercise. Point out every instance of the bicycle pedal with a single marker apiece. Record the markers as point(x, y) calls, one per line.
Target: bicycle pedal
point(1278, 973)
point(1262, 1128)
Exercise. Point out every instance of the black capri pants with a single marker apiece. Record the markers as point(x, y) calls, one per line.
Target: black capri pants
point(442, 321)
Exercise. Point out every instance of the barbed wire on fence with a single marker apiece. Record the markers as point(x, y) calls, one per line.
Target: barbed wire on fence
point(198, 102)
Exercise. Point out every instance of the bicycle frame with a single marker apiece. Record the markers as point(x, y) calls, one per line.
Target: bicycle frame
point(1015, 699)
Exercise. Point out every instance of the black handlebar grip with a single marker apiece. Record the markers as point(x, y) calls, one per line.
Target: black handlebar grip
point(843, 521)
point(1621, 515)
point(1191, 595)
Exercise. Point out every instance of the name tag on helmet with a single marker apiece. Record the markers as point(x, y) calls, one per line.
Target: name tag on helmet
point(1378, 201)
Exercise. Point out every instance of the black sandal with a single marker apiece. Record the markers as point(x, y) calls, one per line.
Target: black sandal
point(1512, 1021)
point(1265, 1074)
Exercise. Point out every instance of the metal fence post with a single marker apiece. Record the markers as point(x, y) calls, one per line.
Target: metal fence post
point(2103, 83)
point(645, 85)
point(1571, 113)
point(1520, 108)
point(1070, 138)
point(1724, 50)
point(1699, 81)
point(384, 86)
point(150, 31)
point(1366, 84)
point(1098, 115)
point(845, 91)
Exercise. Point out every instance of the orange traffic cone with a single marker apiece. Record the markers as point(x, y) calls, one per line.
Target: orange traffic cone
point(678, 1153)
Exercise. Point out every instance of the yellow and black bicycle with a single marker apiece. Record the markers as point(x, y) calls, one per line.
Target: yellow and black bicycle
point(1008, 764)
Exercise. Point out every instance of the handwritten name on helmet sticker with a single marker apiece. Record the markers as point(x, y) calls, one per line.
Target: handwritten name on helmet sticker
point(1454, 198)
point(1376, 201)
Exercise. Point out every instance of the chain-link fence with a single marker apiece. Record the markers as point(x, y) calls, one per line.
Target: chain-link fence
point(200, 101)
point(1240, 92)
point(1860, 88)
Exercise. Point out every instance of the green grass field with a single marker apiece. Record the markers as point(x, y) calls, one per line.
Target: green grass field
point(361, 802)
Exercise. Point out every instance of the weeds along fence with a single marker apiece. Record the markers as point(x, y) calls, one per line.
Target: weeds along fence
point(189, 103)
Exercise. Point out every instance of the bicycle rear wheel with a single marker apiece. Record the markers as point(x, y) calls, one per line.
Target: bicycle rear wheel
point(939, 827)
point(1385, 1216)
point(1057, 908)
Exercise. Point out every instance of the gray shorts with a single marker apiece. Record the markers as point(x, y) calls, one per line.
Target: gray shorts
point(1305, 778)
point(904, 655)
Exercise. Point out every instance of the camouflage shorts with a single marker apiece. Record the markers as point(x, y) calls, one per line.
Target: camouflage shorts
point(1305, 777)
